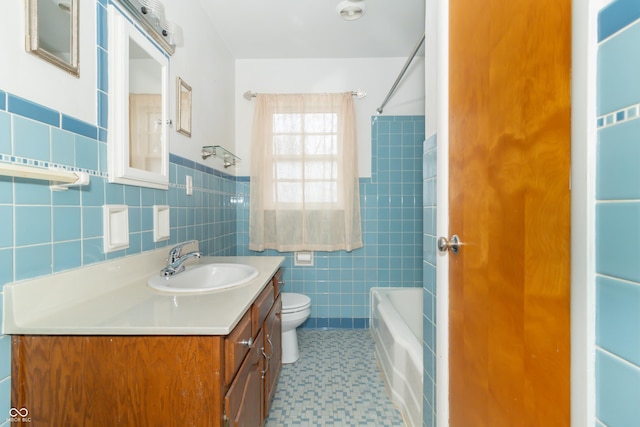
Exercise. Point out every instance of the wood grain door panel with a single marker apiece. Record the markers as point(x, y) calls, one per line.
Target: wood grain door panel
point(509, 127)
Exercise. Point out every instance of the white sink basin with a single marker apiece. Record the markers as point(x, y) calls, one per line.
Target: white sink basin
point(204, 277)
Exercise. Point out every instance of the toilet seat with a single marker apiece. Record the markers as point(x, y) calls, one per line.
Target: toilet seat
point(293, 303)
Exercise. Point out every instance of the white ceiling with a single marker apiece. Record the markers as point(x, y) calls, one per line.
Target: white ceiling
point(260, 29)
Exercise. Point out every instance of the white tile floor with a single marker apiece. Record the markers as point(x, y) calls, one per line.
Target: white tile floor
point(335, 383)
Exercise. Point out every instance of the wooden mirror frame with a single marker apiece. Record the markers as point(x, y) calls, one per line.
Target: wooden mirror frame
point(33, 33)
point(183, 108)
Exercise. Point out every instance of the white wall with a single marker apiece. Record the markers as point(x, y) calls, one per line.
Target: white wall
point(205, 64)
point(431, 67)
point(373, 75)
point(30, 77)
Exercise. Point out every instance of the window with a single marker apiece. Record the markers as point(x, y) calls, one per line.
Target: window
point(306, 159)
point(304, 177)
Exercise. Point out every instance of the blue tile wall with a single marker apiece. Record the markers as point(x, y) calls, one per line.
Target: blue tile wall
point(26, 108)
point(616, 16)
point(618, 152)
point(5, 129)
point(30, 138)
point(391, 204)
point(617, 392)
point(618, 216)
point(618, 86)
point(429, 323)
point(618, 303)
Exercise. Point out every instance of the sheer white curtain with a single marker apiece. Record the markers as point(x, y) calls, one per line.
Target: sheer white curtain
point(304, 174)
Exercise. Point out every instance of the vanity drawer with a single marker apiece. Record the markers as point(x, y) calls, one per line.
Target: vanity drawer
point(278, 283)
point(236, 345)
point(262, 306)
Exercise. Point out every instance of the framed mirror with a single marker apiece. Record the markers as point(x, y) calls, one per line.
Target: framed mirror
point(138, 137)
point(52, 32)
point(183, 108)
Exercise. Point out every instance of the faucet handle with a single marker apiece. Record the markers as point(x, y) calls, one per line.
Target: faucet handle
point(176, 251)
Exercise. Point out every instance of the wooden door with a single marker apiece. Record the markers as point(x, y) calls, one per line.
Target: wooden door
point(509, 200)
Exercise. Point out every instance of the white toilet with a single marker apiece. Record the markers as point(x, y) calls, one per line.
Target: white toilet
point(296, 308)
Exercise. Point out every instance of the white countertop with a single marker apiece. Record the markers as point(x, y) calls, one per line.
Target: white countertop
point(113, 298)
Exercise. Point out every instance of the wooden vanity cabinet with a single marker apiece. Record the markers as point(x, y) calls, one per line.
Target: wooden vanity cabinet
point(199, 381)
point(267, 327)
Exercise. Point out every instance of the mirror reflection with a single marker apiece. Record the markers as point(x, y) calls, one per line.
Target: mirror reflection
point(52, 32)
point(145, 110)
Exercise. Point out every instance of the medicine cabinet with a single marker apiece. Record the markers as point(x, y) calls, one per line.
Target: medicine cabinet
point(138, 137)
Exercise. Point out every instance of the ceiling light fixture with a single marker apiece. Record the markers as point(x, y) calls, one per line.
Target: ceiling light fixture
point(350, 10)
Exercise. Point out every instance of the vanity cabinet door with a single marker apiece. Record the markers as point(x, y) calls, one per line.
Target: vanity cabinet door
point(262, 306)
point(272, 349)
point(243, 402)
point(236, 346)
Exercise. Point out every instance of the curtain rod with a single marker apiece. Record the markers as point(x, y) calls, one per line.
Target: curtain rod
point(359, 93)
point(404, 70)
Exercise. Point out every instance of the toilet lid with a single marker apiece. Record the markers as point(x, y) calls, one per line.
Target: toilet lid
point(294, 302)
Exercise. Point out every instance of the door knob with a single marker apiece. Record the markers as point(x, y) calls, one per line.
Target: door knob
point(452, 245)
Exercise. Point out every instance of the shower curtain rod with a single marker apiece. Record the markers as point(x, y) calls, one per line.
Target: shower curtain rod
point(404, 70)
point(359, 93)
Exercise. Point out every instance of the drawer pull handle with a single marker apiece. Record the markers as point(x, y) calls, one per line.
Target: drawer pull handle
point(266, 363)
point(270, 346)
point(248, 342)
point(267, 358)
point(271, 352)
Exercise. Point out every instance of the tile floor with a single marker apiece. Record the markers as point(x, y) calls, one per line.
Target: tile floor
point(336, 382)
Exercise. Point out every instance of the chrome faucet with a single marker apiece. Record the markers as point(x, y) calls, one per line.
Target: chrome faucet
point(176, 266)
point(176, 259)
point(176, 251)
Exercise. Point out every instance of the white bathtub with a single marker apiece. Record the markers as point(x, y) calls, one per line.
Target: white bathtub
point(396, 326)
